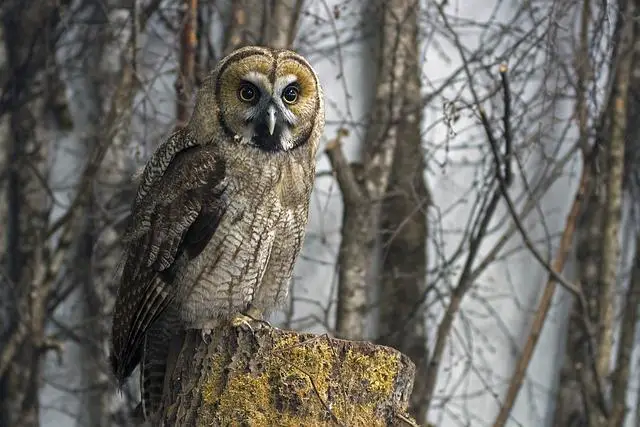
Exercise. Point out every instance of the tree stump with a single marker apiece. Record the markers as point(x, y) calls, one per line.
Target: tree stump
point(273, 377)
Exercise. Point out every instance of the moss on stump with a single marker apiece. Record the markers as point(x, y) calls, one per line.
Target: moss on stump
point(273, 377)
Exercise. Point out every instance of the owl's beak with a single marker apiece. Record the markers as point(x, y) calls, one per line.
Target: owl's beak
point(268, 128)
point(271, 118)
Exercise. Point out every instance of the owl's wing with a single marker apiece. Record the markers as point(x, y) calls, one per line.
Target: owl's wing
point(173, 218)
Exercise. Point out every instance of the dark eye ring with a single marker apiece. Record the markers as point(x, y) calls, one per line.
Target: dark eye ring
point(247, 92)
point(290, 94)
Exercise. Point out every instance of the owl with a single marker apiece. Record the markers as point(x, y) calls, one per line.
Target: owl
point(220, 211)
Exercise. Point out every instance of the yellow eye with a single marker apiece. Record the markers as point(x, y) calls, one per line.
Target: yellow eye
point(290, 94)
point(247, 92)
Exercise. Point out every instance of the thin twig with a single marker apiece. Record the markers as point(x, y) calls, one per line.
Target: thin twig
point(508, 140)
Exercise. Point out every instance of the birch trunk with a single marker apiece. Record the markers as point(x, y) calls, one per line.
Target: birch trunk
point(404, 226)
point(362, 194)
point(586, 367)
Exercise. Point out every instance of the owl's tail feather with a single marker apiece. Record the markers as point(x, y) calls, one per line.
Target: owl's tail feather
point(153, 365)
point(121, 370)
point(151, 385)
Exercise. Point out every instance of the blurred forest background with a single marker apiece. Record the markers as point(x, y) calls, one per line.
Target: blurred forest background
point(476, 205)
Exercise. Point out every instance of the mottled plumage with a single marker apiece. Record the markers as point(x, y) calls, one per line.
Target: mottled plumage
point(221, 209)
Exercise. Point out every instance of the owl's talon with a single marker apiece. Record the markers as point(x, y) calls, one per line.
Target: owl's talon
point(205, 333)
point(246, 322)
point(243, 322)
point(265, 324)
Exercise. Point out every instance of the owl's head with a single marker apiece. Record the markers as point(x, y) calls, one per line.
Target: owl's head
point(270, 99)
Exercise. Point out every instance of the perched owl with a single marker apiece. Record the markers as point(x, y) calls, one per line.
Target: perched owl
point(220, 212)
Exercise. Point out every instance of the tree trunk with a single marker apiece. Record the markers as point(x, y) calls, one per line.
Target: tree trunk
point(5, 315)
point(607, 284)
point(29, 37)
point(94, 268)
point(569, 404)
point(266, 23)
point(626, 341)
point(186, 79)
point(362, 194)
point(281, 27)
point(274, 377)
point(585, 371)
point(246, 25)
point(404, 226)
point(110, 86)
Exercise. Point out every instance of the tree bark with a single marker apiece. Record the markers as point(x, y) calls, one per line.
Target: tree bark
point(5, 315)
point(574, 377)
point(628, 327)
point(404, 226)
point(186, 79)
point(281, 27)
point(30, 34)
point(270, 376)
point(362, 194)
point(266, 23)
point(246, 25)
point(106, 64)
point(612, 212)
point(585, 372)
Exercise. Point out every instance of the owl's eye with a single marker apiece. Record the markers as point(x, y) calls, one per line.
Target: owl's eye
point(247, 92)
point(290, 94)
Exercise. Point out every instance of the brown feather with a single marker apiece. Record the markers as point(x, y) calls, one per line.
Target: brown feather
point(160, 221)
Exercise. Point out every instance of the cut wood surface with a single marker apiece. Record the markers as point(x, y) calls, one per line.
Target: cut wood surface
point(274, 377)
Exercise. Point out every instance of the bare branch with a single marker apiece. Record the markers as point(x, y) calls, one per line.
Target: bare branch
point(351, 190)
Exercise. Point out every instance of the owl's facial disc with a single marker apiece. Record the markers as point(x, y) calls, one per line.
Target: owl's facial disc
point(269, 120)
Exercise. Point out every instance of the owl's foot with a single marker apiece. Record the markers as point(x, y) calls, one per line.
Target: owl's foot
point(249, 323)
point(205, 334)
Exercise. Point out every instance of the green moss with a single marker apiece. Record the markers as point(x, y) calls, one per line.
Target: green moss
point(212, 386)
point(309, 360)
point(291, 385)
point(379, 368)
point(247, 397)
point(365, 378)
